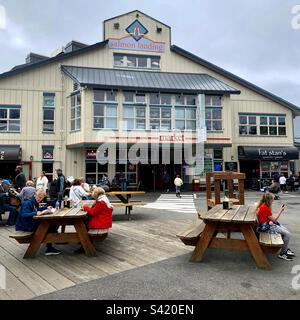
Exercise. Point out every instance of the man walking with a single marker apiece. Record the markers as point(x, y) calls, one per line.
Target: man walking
point(60, 185)
point(20, 179)
point(178, 183)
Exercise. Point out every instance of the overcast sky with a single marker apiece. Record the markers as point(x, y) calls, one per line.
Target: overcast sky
point(253, 39)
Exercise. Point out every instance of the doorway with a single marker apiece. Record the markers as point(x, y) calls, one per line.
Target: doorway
point(251, 168)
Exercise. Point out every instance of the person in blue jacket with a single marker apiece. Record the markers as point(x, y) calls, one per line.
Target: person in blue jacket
point(31, 208)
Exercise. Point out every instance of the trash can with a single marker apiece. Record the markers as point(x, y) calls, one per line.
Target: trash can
point(196, 185)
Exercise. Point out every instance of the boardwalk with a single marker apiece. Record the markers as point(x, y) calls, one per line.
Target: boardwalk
point(130, 244)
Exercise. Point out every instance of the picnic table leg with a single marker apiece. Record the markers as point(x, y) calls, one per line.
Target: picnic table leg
point(89, 248)
point(204, 242)
point(37, 240)
point(255, 248)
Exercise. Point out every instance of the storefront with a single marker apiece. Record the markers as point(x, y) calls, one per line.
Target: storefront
point(261, 164)
point(10, 157)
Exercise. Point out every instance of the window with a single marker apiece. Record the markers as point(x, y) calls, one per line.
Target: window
point(134, 117)
point(185, 118)
point(213, 101)
point(213, 113)
point(10, 119)
point(94, 172)
point(218, 159)
point(161, 99)
point(136, 61)
point(48, 112)
point(264, 125)
point(213, 118)
point(105, 109)
point(129, 170)
point(160, 118)
point(187, 100)
point(105, 116)
point(133, 97)
point(48, 168)
point(269, 169)
point(248, 125)
point(76, 112)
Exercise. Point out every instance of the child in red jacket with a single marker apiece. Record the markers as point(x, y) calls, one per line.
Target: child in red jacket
point(100, 215)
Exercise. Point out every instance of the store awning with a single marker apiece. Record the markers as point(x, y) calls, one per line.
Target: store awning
point(268, 153)
point(148, 80)
point(10, 153)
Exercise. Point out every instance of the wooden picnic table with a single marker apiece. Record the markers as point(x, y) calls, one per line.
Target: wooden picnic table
point(242, 218)
point(74, 217)
point(125, 200)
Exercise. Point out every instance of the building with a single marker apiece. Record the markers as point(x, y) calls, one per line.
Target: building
point(56, 111)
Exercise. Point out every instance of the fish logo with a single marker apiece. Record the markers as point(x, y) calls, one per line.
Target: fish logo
point(137, 30)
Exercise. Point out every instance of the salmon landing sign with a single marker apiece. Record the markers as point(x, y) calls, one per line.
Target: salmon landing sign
point(136, 40)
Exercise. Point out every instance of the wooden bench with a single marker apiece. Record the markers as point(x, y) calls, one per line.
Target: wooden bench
point(22, 236)
point(270, 243)
point(98, 234)
point(191, 234)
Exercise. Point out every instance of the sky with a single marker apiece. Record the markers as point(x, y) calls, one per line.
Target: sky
point(258, 40)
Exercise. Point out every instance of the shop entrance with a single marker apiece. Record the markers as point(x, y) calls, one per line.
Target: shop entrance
point(251, 168)
point(7, 170)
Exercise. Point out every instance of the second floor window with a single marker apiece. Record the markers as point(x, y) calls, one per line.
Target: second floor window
point(10, 119)
point(76, 112)
point(134, 117)
point(48, 112)
point(160, 118)
point(263, 125)
point(136, 61)
point(105, 116)
point(185, 118)
point(213, 113)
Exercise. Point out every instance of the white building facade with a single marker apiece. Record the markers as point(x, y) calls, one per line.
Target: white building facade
point(136, 88)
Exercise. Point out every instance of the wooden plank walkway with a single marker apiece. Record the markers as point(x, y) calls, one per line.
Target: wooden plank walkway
point(130, 244)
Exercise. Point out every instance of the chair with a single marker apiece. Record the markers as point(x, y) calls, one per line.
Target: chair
point(228, 177)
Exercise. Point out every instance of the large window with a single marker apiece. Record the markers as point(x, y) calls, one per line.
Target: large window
point(134, 117)
point(213, 113)
point(160, 118)
point(76, 112)
point(185, 100)
point(10, 119)
point(105, 110)
point(94, 172)
point(270, 169)
point(185, 118)
point(160, 99)
point(136, 61)
point(264, 125)
point(48, 112)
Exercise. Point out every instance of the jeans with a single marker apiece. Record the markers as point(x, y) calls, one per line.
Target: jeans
point(178, 189)
point(285, 234)
point(123, 185)
point(13, 214)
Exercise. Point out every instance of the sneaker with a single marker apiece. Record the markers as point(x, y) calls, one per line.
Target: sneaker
point(290, 253)
point(51, 251)
point(284, 256)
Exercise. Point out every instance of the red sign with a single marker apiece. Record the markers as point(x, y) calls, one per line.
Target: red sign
point(91, 154)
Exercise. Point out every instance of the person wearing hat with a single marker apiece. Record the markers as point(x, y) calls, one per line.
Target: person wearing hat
point(20, 179)
point(5, 205)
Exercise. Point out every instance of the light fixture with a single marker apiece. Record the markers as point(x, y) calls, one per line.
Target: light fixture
point(31, 158)
point(232, 158)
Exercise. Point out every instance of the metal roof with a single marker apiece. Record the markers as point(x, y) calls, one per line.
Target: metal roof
point(147, 80)
point(233, 77)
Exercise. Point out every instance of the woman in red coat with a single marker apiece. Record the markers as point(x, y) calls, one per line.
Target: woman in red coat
point(100, 215)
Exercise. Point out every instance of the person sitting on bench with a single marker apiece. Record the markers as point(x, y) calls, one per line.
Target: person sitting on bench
point(31, 208)
point(100, 215)
point(269, 223)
